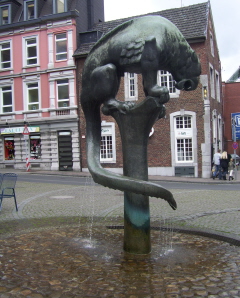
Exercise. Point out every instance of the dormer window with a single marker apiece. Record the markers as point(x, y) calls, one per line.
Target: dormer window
point(29, 10)
point(59, 6)
point(4, 15)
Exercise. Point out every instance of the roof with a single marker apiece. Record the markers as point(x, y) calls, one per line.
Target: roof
point(235, 77)
point(190, 20)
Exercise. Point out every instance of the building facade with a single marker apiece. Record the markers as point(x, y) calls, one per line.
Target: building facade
point(182, 143)
point(38, 80)
point(231, 111)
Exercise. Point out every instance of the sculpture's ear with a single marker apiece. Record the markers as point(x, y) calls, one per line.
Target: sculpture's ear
point(194, 57)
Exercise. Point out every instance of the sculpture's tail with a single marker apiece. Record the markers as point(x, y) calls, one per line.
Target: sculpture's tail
point(109, 179)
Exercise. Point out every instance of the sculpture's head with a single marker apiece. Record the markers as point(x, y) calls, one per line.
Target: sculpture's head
point(187, 72)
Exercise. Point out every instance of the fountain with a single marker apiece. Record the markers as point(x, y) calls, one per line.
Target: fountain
point(142, 45)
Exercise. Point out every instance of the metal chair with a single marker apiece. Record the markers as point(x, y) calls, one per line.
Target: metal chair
point(7, 187)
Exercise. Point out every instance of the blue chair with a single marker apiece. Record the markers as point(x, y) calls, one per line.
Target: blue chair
point(7, 187)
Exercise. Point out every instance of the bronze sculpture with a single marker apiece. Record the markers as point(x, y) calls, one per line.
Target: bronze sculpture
point(142, 45)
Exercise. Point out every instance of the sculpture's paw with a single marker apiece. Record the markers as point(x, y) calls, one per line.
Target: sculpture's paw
point(161, 92)
point(113, 105)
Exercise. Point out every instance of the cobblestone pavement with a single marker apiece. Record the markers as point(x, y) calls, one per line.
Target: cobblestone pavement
point(57, 244)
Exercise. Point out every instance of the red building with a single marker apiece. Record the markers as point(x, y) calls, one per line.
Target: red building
point(38, 80)
point(182, 144)
point(231, 110)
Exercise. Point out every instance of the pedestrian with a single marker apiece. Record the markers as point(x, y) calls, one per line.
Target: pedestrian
point(216, 163)
point(224, 166)
point(231, 167)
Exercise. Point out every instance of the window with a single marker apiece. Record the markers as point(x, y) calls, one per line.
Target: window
point(217, 86)
point(211, 44)
point(29, 10)
point(183, 126)
point(130, 82)
point(6, 99)
point(108, 147)
point(166, 79)
point(63, 93)
point(9, 148)
point(5, 49)
point(31, 51)
point(35, 146)
point(183, 122)
point(33, 97)
point(184, 150)
point(61, 46)
point(4, 15)
point(59, 6)
point(212, 82)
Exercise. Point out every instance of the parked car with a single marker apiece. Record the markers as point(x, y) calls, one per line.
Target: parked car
point(237, 158)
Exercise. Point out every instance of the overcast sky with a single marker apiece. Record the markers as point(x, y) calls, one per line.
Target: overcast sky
point(225, 18)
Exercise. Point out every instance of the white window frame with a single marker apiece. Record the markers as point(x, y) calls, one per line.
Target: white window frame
point(130, 86)
point(108, 131)
point(26, 58)
point(183, 133)
point(212, 85)
point(26, 5)
point(5, 49)
point(61, 53)
point(164, 78)
point(59, 83)
point(32, 86)
point(2, 8)
point(217, 79)
point(2, 92)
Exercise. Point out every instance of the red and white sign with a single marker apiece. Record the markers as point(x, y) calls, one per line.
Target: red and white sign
point(25, 130)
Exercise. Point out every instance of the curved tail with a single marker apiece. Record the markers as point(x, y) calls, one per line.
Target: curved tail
point(107, 178)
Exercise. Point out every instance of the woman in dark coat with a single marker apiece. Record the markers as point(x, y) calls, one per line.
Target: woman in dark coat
point(224, 165)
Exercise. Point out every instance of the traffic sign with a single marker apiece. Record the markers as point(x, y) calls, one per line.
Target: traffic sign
point(235, 145)
point(25, 130)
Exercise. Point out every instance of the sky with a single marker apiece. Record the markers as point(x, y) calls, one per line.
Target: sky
point(225, 18)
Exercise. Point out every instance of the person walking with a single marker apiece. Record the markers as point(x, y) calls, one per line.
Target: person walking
point(224, 165)
point(231, 167)
point(216, 162)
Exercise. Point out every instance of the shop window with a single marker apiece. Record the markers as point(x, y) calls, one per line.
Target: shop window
point(5, 54)
point(63, 93)
point(61, 46)
point(9, 148)
point(35, 146)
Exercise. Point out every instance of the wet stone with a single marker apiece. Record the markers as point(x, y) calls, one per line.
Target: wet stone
point(60, 262)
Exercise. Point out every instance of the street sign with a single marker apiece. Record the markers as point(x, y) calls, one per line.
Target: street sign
point(25, 130)
point(235, 145)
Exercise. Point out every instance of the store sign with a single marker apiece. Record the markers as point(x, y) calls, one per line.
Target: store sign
point(184, 133)
point(13, 130)
point(106, 130)
point(236, 117)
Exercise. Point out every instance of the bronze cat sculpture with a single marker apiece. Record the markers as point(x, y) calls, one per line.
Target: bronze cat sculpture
point(142, 45)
